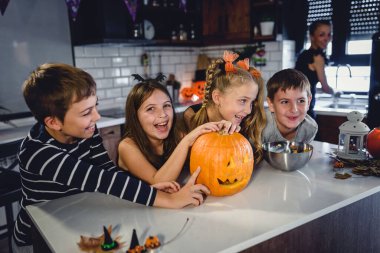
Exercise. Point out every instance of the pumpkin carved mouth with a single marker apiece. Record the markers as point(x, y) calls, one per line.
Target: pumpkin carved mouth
point(227, 181)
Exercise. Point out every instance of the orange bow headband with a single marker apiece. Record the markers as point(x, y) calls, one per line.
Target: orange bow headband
point(229, 57)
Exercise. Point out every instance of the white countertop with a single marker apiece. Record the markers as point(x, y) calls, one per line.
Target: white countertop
point(11, 133)
point(274, 202)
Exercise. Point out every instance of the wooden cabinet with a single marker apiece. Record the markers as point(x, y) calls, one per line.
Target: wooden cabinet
point(174, 24)
point(229, 21)
point(208, 22)
point(156, 22)
point(265, 11)
point(111, 137)
point(100, 21)
point(328, 128)
point(226, 21)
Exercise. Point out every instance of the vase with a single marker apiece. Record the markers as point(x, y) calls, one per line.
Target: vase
point(373, 143)
point(266, 28)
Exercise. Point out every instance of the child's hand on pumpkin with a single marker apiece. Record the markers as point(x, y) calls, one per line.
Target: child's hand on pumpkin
point(228, 127)
point(169, 187)
point(202, 129)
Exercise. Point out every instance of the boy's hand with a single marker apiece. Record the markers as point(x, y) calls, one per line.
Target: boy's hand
point(190, 194)
point(169, 187)
point(195, 190)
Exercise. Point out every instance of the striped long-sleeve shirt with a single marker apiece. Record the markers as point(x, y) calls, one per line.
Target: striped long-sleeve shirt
point(51, 170)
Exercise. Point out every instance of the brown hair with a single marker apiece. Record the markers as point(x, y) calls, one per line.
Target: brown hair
point(217, 78)
point(287, 79)
point(52, 88)
point(133, 129)
point(314, 25)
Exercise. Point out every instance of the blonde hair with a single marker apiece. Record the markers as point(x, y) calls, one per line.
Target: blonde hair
point(217, 78)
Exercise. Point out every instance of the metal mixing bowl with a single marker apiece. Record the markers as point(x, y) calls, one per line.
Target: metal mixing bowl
point(287, 156)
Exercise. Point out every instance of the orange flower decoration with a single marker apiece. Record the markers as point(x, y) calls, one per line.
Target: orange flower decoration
point(244, 64)
point(229, 57)
point(255, 73)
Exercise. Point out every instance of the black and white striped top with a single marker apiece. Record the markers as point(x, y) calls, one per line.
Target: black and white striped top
point(51, 170)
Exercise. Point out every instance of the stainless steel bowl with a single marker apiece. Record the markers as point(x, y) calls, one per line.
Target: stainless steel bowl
point(287, 156)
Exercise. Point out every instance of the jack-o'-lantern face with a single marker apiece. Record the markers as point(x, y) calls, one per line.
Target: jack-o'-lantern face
point(199, 89)
point(226, 162)
point(187, 93)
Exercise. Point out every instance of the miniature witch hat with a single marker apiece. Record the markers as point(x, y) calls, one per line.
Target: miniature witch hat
point(134, 240)
point(109, 243)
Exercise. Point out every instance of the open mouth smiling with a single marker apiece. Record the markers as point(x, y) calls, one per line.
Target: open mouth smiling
point(163, 124)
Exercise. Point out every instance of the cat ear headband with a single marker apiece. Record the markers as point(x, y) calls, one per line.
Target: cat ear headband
point(159, 78)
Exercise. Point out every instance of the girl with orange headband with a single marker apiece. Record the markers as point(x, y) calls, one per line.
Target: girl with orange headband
point(233, 92)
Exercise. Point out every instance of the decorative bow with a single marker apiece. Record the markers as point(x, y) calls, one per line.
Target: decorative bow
point(229, 57)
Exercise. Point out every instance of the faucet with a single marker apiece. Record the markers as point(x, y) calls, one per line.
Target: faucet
point(337, 70)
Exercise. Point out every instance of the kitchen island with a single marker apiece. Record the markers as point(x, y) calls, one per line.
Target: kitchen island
point(307, 210)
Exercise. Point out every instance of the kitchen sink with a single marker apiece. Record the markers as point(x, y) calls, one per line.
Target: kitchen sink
point(347, 106)
point(113, 112)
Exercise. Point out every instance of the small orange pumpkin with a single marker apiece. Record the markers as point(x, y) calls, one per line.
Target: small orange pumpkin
point(199, 88)
point(187, 93)
point(226, 162)
point(152, 242)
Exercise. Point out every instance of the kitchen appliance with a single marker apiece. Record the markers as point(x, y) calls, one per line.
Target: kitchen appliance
point(31, 33)
point(374, 87)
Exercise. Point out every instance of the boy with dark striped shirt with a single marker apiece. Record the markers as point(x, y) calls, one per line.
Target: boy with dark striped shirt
point(63, 153)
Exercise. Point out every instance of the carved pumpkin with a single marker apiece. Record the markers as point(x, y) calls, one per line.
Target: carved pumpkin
point(226, 162)
point(187, 93)
point(199, 88)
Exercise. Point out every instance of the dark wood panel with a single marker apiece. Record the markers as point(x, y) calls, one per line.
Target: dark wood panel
point(328, 128)
point(352, 229)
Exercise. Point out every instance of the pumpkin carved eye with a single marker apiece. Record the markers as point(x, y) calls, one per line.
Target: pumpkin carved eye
point(231, 163)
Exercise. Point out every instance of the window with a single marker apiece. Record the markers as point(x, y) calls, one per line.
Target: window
point(354, 23)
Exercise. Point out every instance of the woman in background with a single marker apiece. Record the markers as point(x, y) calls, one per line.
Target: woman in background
point(312, 62)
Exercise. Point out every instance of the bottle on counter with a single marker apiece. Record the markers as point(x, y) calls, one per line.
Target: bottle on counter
point(182, 33)
point(173, 87)
point(192, 32)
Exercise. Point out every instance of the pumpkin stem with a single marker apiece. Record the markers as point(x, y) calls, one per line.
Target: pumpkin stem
point(223, 132)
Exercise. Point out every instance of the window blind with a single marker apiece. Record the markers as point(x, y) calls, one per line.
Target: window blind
point(319, 9)
point(364, 19)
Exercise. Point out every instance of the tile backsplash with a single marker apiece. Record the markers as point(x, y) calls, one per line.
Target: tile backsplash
point(112, 65)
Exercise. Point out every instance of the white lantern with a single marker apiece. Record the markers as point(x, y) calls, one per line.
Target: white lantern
point(352, 136)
